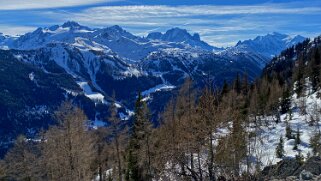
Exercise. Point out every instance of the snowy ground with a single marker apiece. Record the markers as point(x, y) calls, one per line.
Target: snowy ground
point(264, 148)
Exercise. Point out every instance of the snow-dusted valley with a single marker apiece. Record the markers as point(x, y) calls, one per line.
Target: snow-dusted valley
point(168, 106)
point(108, 58)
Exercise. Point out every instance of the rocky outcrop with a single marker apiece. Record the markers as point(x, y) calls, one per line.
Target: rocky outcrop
point(292, 170)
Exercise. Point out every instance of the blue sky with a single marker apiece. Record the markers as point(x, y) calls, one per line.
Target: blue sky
point(219, 22)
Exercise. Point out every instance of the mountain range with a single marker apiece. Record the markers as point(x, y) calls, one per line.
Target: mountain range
point(70, 61)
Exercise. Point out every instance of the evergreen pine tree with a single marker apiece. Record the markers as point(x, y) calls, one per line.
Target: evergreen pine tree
point(297, 140)
point(288, 131)
point(285, 102)
point(237, 84)
point(139, 149)
point(298, 134)
point(314, 70)
point(225, 88)
point(280, 148)
point(290, 114)
point(133, 172)
point(315, 143)
point(299, 158)
point(298, 77)
point(245, 84)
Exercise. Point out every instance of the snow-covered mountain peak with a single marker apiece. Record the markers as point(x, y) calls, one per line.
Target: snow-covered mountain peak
point(116, 28)
point(295, 40)
point(179, 35)
point(115, 32)
point(197, 37)
point(2, 37)
point(154, 35)
point(116, 41)
point(174, 35)
point(274, 36)
point(269, 45)
point(277, 34)
point(71, 24)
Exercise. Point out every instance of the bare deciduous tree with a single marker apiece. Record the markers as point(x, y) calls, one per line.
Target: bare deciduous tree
point(68, 151)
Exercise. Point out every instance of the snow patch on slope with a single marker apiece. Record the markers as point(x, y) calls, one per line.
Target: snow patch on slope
point(270, 135)
point(95, 96)
point(161, 87)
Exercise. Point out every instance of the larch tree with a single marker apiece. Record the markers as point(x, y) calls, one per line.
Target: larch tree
point(233, 146)
point(189, 129)
point(68, 149)
point(210, 116)
point(101, 151)
point(118, 138)
point(22, 161)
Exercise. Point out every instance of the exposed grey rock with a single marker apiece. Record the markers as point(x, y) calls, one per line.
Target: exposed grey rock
point(292, 170)
point(312, 165)
point(306, 175)
point(282, 169)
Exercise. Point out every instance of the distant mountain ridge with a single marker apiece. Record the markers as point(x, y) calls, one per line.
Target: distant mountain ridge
point(182, 36)
point(133, 47)
point(90, 54)
point(270, 45)
point(98, 61)
point(104, 55)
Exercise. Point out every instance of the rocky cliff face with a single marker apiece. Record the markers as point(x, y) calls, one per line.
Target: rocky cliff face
point(293, 170)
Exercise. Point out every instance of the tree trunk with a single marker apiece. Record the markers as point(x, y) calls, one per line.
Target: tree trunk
point(118, 160)
point(199, 166)
point(211, 159)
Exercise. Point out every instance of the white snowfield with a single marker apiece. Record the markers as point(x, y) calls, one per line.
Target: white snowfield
point(158, 88)
point(264, 149)
point(95, 96)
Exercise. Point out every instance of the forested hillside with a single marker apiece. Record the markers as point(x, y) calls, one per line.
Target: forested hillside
point(228, 133)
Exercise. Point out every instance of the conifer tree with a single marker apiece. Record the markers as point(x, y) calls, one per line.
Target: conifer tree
point(233, 147)
point(118, 137)
point(297, 140)
point(237, 84)
point(288, 131)
point(290, 114)
point(245, 84)
point(285, 102)
point(139, 150)
point(298, 77)
point(315, 143)
point(314, 70)
point(3, 173)
point(280, 148)
point(299, 157)
point(225, 88)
